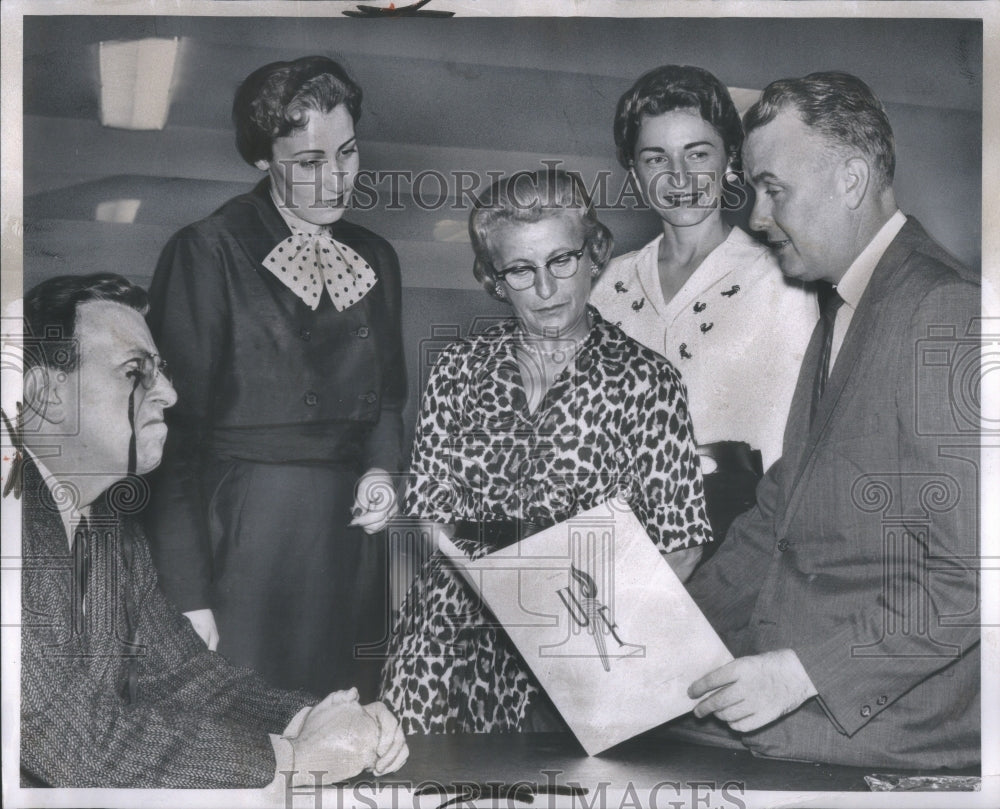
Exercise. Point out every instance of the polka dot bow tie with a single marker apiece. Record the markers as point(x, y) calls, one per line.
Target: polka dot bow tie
point(307, 263)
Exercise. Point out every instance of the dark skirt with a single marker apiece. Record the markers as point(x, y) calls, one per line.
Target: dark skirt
point(298, 595)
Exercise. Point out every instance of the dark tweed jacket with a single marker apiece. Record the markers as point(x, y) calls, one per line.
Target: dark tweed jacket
point(189, 718)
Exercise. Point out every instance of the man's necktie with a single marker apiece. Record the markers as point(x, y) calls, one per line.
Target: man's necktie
point(829, 303)
point(81, 569)
point(308, 263)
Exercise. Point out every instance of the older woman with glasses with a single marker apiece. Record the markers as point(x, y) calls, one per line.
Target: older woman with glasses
point(524, 426)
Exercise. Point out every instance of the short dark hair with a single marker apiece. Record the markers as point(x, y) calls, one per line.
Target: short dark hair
point(841, 108)
point(530, 196)
point(677, 87)
point(273, 100)
point(50, 315)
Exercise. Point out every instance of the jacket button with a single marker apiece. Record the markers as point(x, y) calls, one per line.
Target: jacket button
point(306, 335)
point(866, 710)
point(782, 545)
point(362, 332)
point(882, 700)
point(311, 399)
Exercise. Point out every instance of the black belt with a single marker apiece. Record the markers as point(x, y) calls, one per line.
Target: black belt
point(733, 457)
point(497, 533)
point(731, 488)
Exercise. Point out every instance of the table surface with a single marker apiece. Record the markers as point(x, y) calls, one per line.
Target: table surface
point(642, 762)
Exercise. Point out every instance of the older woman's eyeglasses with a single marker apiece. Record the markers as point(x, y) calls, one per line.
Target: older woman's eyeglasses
point(147, 369)
point(522, 276)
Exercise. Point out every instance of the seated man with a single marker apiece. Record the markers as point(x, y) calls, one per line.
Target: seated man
point(849, 594)
point(117, 689)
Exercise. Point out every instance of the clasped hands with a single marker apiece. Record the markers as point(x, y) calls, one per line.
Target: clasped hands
point(753, 691)
point(340, 737)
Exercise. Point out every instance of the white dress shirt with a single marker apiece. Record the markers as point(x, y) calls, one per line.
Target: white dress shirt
point(854, 282)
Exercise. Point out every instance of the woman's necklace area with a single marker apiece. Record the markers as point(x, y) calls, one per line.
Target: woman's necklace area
point(558, 354)
point(540, 367)
point(543, 359)
point(554, 350)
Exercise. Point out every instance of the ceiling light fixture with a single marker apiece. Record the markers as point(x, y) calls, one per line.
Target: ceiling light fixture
point(136, 79)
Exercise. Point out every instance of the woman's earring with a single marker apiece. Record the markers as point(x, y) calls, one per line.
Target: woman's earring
point(732, 177)
point(499, 291)
point(595, 270)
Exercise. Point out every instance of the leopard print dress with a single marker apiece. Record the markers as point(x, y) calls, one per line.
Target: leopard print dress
point(614, 422)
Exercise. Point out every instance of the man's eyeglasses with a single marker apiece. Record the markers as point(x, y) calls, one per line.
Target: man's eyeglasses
point(522, 276)
point(148, 370)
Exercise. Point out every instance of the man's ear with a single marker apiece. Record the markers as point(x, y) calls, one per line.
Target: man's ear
point(855, 176)
point(44, 394)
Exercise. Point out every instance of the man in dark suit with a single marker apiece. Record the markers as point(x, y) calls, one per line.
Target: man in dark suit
point(117, 689)
point(849, 593)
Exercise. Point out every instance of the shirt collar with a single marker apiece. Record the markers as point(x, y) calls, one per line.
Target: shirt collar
point(854, 282)
point(70, 515)
point(647, 271)
point(295, 225)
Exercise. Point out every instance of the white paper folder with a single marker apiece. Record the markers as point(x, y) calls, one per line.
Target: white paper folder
point(604, 623)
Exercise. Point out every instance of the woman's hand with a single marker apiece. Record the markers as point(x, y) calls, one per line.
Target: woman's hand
point(375, 501)
point(203, 622)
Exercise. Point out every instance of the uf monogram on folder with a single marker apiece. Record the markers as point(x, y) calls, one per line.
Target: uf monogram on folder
point(607, 628)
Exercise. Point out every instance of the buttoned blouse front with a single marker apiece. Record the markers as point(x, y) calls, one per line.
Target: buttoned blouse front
point(737, 331)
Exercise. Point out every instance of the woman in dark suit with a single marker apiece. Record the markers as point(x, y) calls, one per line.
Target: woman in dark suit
point(280, 322)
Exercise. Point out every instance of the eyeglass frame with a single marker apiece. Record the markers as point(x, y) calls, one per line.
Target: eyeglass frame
point(576, 255)
point(141, 375)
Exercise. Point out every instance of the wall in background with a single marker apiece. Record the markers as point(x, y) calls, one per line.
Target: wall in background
point(464, 95)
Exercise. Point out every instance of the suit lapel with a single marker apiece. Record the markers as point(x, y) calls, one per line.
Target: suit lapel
point(857, 341)
point(43, 529)
point(46, 565)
